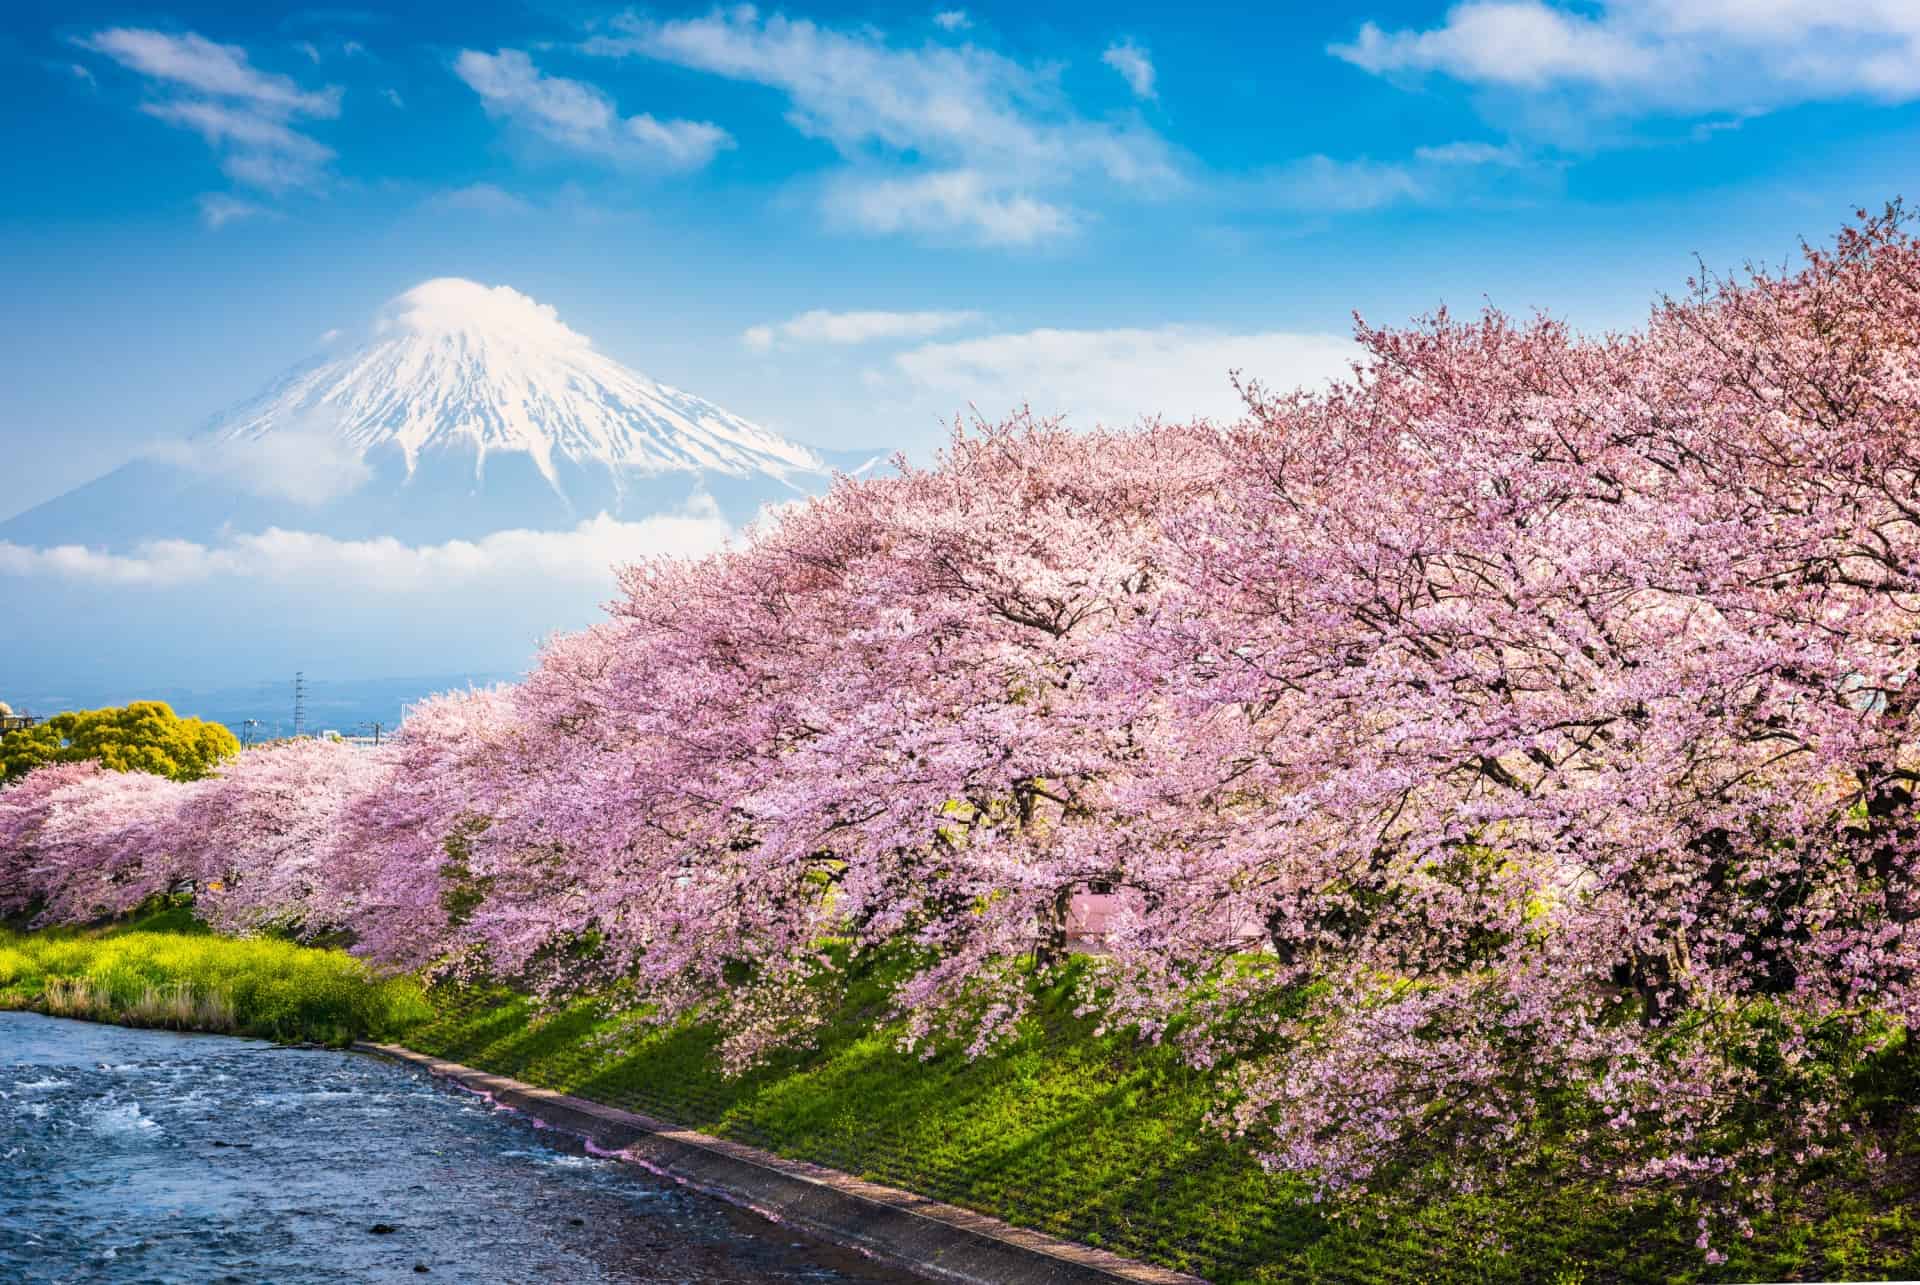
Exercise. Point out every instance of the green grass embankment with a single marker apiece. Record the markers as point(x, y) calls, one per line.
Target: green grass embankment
point(164, 971)
point(1098, 1139)
point(1083, 1135)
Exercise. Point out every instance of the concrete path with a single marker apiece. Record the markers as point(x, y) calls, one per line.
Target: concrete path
point(937, 1240)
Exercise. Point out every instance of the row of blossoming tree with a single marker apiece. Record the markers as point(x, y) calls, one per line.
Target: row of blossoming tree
point(1510, 748)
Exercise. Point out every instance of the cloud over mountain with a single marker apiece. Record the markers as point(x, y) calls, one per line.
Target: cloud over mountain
point(586, 555)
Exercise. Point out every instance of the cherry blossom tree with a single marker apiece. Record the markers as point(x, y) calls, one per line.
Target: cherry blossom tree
point(25, 807)
point(1508, 748)
point(863, 723)
point(1547, 700)
point(79, 842)
point(263, 831)
point(396, 870)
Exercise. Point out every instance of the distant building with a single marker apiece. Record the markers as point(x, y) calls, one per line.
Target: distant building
point(12, 722)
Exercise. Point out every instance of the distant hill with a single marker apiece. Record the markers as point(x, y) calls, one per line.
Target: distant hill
point(343, 705)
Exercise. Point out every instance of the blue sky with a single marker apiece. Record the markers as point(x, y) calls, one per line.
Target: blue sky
point(1097, 209)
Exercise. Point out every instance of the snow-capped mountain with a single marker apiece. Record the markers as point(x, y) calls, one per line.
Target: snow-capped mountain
point(470, 409)
point(458, 366)
point(426, 499)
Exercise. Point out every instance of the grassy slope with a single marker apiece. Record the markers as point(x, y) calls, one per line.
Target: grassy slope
point(1102, 1141)
point(1086, 1136)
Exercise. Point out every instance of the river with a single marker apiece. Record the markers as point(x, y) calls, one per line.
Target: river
point(132, 1155)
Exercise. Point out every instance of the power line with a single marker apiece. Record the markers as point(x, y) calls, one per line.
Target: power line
point(299, 703)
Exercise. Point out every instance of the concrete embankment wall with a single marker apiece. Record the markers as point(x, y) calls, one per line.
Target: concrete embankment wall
point(940, 1241)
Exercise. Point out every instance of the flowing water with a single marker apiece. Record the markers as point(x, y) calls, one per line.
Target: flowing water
point(148, 1156)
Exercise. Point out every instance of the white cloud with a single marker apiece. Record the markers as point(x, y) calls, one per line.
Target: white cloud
point(691, 143)
point(585, 555)
point(1509, 42)
point(854, 90)
point(193, 62)
point(1469, 153)
point(483, 198)
point(393, 97)
point(1323, 183)
point(582, 116)
point(952, 20)
point(220, 123)
point(1627, 57)
point(271, 172)
point(452, 305)
point(822, 327)
point(1134, 66)
point(1442, 175)
point(960, 204)
point(1706, 129)
point(218, 209)
point(82, 74)
point(1117, 376)
point(305, 465)
point(311, 50)
point(982, 143)
point(256, 150)
point(243, 113)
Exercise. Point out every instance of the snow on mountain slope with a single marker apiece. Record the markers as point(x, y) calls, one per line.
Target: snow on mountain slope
point(487, 369)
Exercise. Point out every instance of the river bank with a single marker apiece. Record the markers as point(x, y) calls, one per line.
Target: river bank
point(934, 1240)
point(1086, 1136)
